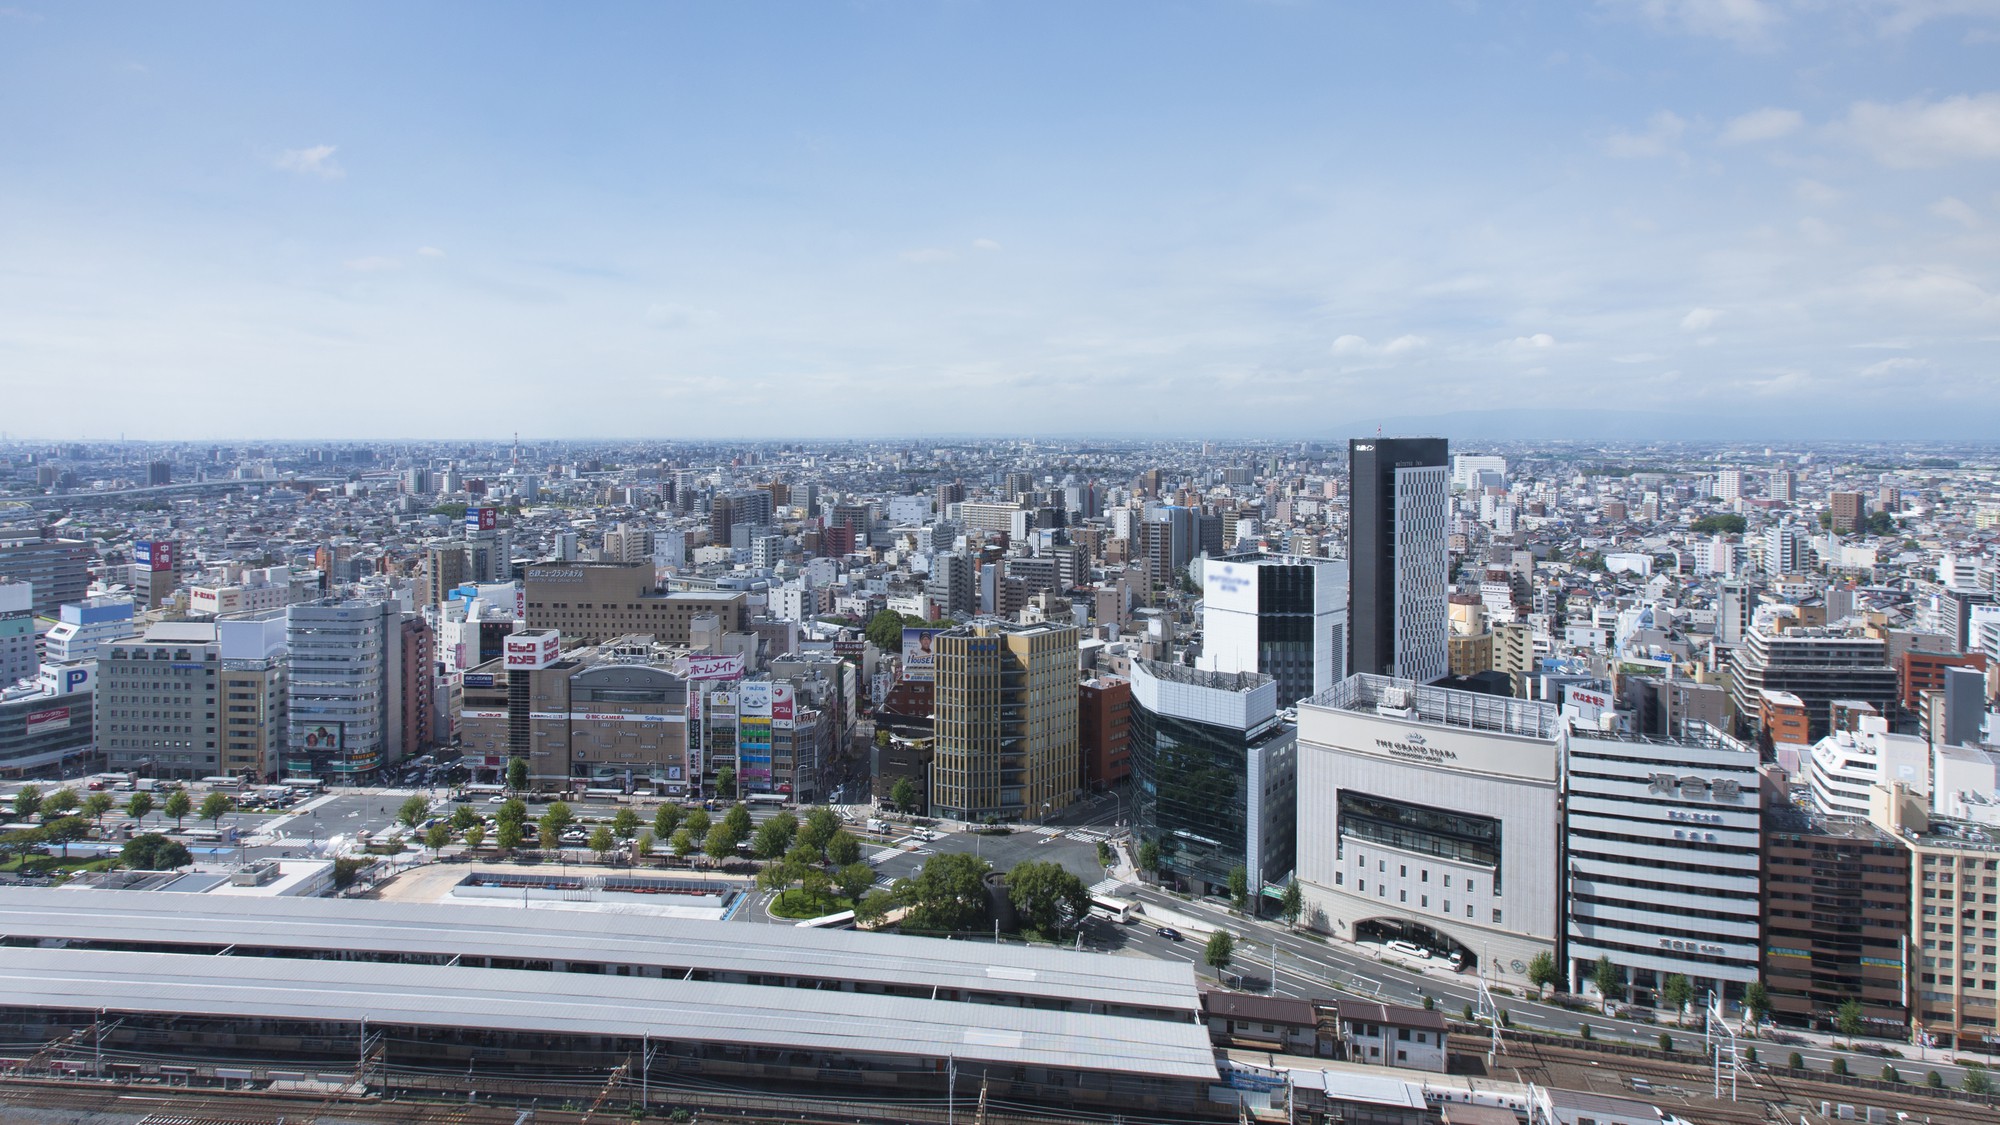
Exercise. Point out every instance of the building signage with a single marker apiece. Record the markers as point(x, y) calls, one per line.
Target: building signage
point(613, 717)
point(54, 718)
point(919, 661)
point(531, 652)
point(482, 519)
point(482, 714)
point(756, 699)
point(155, 555)
point(782, 705)
point(478, 679)
point(1695, 788)
point(324, 737)
point(520, 603)
point(201, 599)
point(1229, 586)
point(555, 574)
point(729, 667)
point(1416, 747)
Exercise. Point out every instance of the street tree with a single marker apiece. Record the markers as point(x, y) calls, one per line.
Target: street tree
point(871, 907)
point(1609, 981)
point(903, 794)
point(154, 852)
point(1756, 1001)
point(27, 802)
point(948, 895)
point(139, 805)
point(770, 841)
point(413, 810)
point(696, 825)
point(555, 819)
point(512, 809)
point(1848, 1018)
point(642, 848)
point(214, 807)
point(1542, 972)
point(59, 803)
point(1292, 903)
point(682, 843)
point(62, 829)
point(816, 884)
point(725, 782)
point(1239, 887)
point(819, 827)
point(178, 805)
point(602, 840)
point(1048, 897)
point(666, 819)
point(1220, 950)
point(720, 843)
point(737, 820)
point(1149, 856)
point(1678, 992)
point(853, 880)
point(508, 835)
point(1976, 1081)
point(625, 823)
point(843, 848)
point(96, 805)
point(464, 817)
point(517, 774)
point(475, 836)
point(437, 836)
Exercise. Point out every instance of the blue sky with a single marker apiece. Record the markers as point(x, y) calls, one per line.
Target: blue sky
point(863, 218)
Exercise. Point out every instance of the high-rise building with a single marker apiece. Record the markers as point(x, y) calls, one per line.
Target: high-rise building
point(59, 569)
point(252, 688)
point(1848, 511)
point(345, 696)
point(592, 603)
point(1467, 467)
point(48, 722)
point(1636, 805)
point(85, 627)
point(1006, 738)
point(444, 571)
point(1280, 615)
point(1787, 550)
point(1104, 730)
point(157, 701)
point(1399, 565)
point(1729, 484)
point(1815, 665)
point(1836, 917)
point(18, 659)
point(1953, 995)
point(1215, 774)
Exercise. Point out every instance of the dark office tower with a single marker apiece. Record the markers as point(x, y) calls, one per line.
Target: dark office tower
point(1399, 566)
point(1015, 483)
point(159, 473)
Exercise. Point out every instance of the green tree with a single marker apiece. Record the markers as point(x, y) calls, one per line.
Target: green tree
point(178, 805)
point(512, 809)
point(1292, 904)
point(666, 819)
point(96, 805)
point(138, 805)
point(1048, 897)
point(803, 856)
point(885, 629)
point(1104, 854)
point(682, 843)
point(720, 843)
point(625, 823)
point(62, 829)
point(871, 907)
point(517, 774)
point(1677, 991)
point(1609, 981)
point(816, 884)
point(771, 840)
point(1839, 1065)
point(1239, 887)
point(903, 795)
point(696, 825)
point(643, 846)
point(778, 877)
point(464, 817)
point(345, 869)
point(948, 894)
point(1795, 1061)
point(1149, 856)
point(437, 836)
point(60, 802)
point(819, 827)
point(1934, 1080)
point(1848, 1018)
point(154, 852)
point(1220, 950)
point(1542, 971)
point(1889, 1074)
point(555, 819)
point(1756, 1001)
point(1976, 1081)
point(27, 802)
point(214, 807)
point(725, 782)
point(413, 810)
point(853, 880)
point(843, 848)
point(475, 836)
point(508, 834)
point(1722, 523)
point(1666, 1043)
point(737, 820)
point(602, 840)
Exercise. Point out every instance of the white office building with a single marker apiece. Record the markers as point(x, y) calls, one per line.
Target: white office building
point(1431, 815)
point(85, 627)
point(345, 683)
point(1662, 842)
point(1844, 765)
point(1284, 616)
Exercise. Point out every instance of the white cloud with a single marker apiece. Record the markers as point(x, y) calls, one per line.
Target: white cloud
point(928, 255)
point(1767, 124)
point(985, 244)
point(1907, 15)
point(1958, 211)
point(670, 315)
point(1897, 366)
point(1920, 134)
point(1637, 357)
point(1744, 22)
point(1351, 345)
point(1663, 129)
point(1538, 340)
point(1815, 193)
point(373, 264)
point(314, 161)
point(1700, 319)
point(430, 251)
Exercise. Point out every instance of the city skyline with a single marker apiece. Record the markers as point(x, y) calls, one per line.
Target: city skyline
point(1272, 218)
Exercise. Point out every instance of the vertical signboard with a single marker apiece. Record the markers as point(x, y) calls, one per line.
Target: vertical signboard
point(753, 736)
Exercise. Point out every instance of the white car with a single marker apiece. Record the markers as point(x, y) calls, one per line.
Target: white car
point(496, 800)
point(1409, 949)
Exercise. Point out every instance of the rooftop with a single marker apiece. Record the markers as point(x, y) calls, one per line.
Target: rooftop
point(1448, 707)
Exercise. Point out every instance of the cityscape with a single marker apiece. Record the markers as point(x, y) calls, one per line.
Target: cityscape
point(1297, 562)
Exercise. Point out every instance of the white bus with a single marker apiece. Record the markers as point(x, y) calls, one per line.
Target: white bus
point(766, 799)
point(841, 921)
point(1113, 909)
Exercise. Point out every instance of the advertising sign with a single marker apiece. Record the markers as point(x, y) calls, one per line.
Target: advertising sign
point(478, 679)
point(756, 699)
point(55, 718)
point(528, 652)
point(324, 737)
point(782, 705)
point(202, 599)
point(695, 734)
point(753, 736)
point(729, 667)
point(155, 555)
point(482, 519)
point(1226, 585)
point(520, 603)
point(919, 662)
point(482, 714)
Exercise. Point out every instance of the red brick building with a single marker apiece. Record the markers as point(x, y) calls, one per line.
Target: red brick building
point(1104, 730)
point(1919, 672)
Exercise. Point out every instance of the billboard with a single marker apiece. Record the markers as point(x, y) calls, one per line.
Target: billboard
point(695, 735)
point(478, 679)
point(753, 736)
point(1232, 586)
point(529, 652)
point(729, 667)
point(326, 738)
point(520, 602)
point(783, 705)
point(756, 699)
point(52, 719)
point(919, 662)
point(482, 519)
point(155, 555)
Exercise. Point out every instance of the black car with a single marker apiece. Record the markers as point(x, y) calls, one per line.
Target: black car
point(1168, 932)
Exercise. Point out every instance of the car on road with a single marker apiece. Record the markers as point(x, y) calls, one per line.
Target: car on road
point(1409, 949)
point(1168, 932)
point(496, 800)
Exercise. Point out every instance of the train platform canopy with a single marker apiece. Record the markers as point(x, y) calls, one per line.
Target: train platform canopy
point(591, 1005)
point(1074, 980)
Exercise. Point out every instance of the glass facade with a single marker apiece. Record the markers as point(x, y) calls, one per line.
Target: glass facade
point(1460, 837)
point(1192, 784)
